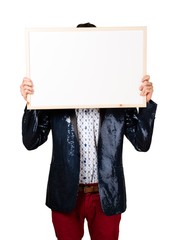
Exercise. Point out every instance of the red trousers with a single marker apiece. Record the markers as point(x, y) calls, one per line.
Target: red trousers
point(70, 226)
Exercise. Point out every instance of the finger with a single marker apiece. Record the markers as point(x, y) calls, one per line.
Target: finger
point(146, 91)
point(146, 78)
point(27, 81)
point(25, 92)
point(146, 84)
point(24, 88)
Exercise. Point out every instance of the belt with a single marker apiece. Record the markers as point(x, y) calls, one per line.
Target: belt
point(88, 189)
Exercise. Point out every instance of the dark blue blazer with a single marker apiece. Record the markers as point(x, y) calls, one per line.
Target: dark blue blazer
point(63, 180)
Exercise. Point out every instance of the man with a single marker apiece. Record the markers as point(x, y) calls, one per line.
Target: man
point(86, 179)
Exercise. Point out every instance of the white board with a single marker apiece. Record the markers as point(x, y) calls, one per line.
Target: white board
point(86, 67)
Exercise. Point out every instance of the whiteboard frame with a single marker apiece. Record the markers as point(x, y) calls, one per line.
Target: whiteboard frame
point(34, 105)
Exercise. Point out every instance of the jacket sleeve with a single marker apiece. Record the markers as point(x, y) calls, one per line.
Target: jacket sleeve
point(35, 128)
point(139, 126)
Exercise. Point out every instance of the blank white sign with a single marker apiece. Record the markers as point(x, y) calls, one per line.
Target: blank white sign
point(86, 67)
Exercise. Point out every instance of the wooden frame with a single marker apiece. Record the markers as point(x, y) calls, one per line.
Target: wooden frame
point(86, 67)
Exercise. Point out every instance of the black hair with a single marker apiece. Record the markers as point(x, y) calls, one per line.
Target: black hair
point(81, 25)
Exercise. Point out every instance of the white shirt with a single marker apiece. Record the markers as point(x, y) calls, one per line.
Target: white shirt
point(88, 131)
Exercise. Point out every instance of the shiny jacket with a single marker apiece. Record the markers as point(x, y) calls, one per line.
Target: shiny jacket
point(63, 180)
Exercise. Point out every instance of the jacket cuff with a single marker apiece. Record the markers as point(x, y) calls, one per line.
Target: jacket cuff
point(150, 108)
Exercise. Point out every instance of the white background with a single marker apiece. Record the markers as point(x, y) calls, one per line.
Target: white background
point(149, 176)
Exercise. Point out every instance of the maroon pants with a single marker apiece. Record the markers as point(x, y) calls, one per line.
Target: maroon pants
point(70, 226)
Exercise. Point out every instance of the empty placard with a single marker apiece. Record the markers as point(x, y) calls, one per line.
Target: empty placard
point(86, 67)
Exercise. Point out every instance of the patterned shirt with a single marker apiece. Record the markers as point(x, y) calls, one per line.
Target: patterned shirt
point(88, 131)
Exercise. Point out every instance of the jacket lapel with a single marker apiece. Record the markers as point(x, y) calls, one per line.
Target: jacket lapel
point(74, 122)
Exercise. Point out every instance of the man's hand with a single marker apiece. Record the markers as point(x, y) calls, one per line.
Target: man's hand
point(26, 87)
point(146, 88)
